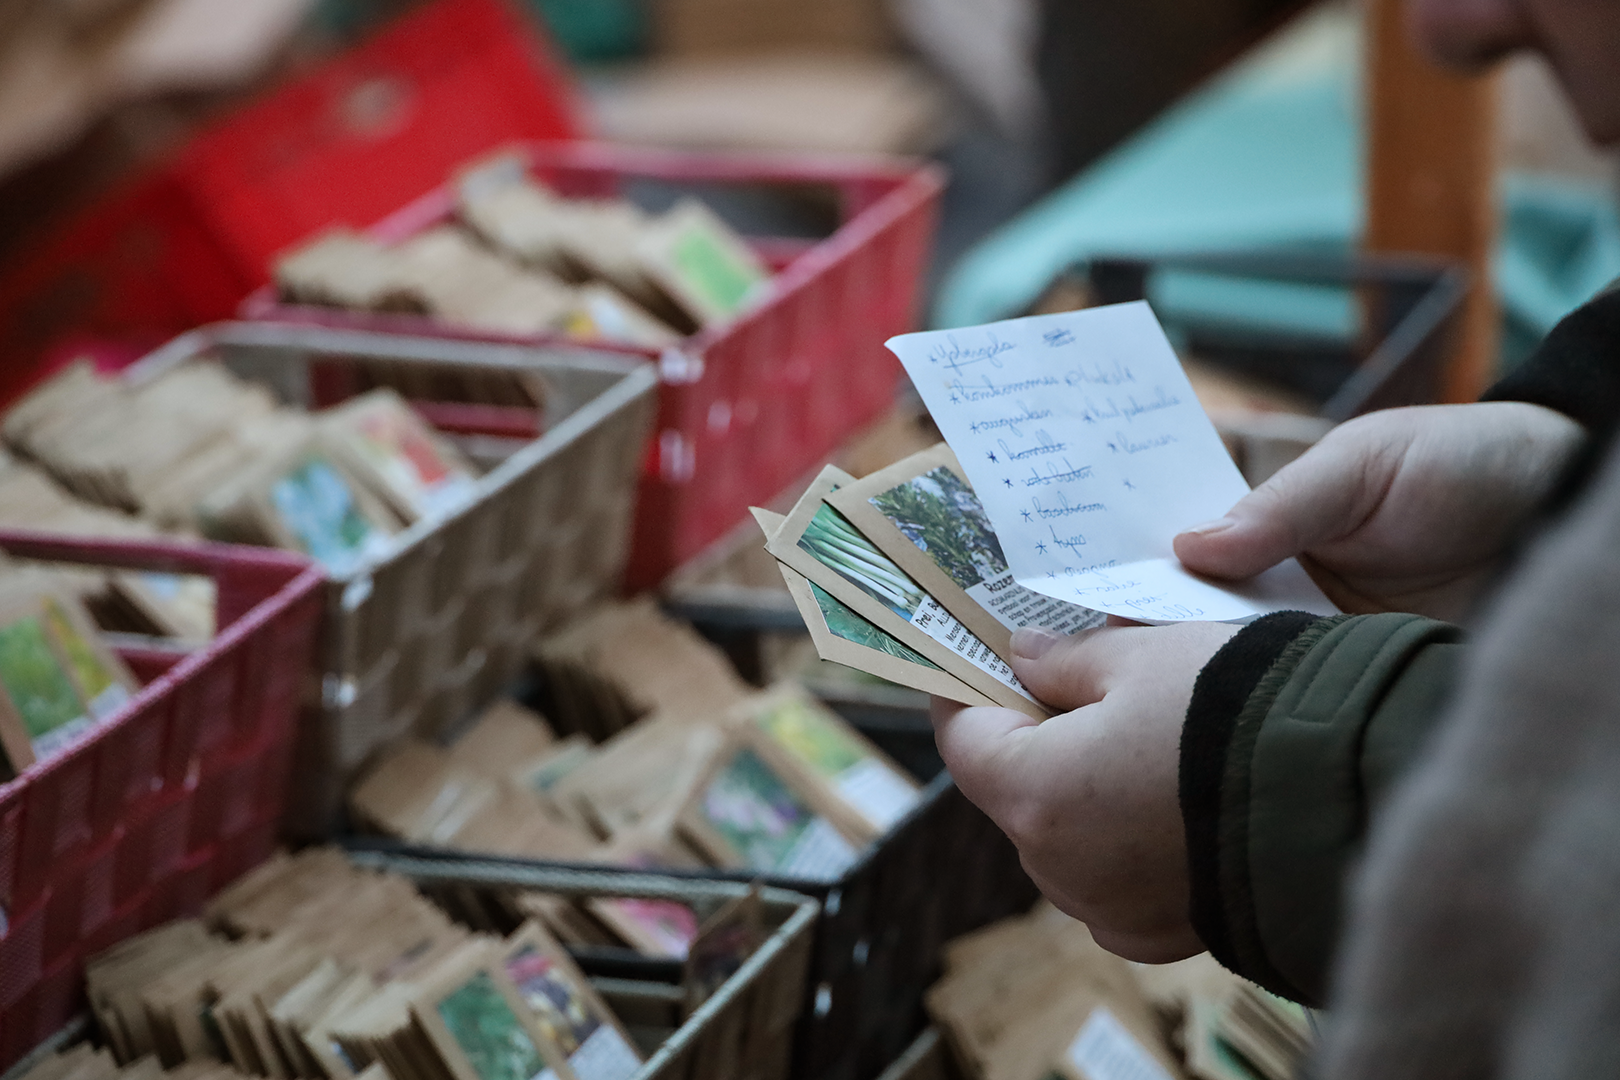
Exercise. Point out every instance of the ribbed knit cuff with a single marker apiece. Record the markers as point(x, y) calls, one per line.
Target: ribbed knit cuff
point(1223, 688)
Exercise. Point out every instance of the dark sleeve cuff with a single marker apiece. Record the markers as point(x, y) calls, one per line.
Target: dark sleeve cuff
point(1223, 688)
point(1576, 370)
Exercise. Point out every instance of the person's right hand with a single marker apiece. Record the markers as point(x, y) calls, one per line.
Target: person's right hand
point(1402, 510)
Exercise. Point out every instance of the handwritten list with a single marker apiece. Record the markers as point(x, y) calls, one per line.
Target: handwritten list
point(1084, 441)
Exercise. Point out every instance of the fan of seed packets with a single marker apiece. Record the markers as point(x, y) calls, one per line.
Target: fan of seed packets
point(899, 574)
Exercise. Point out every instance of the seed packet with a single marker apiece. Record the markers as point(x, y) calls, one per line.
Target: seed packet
point(1036, 995)
point(341, 268)
point(416, 792)
point(652, 927)
point(843, 637)
point(747, 814)
point(179, 606)
point(480, 1026)
point(865, 792)
point(304, 501)
point(602, 313)
point(472, 286)
point(824, 546)
point(59, 680)
point(722, 945)
point(545, 772)
point(573, 1018)
point(512, 213)
point(565, 919)
point(388, 446)
point(505, 736)
point(641, 777)
point(924, 515)
point(627, 660)
point(702, 263)
point(515, 823)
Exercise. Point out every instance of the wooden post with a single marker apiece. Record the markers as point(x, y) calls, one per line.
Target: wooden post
point(1431, 165)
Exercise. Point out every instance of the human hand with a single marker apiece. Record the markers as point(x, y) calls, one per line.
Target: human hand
point(1402, 510)
point(1090, 797)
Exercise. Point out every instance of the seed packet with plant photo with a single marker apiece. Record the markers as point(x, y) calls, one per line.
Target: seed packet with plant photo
point(180, 605)
point(651, 926)
point(479, 1024)
point(59, 679)
point(304, 500)
point(820, 543)
point(749, 813)
point(701, 262)
point(387, 445)
point(923, 514)
point(867, 793)
point(570, 1013)
point(842, 636)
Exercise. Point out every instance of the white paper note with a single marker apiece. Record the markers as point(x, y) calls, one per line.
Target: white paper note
point(1083, 439)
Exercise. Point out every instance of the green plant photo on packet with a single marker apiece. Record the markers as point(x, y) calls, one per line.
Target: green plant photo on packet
point(710, 270)
point(831, 750)
point(483, 1025)
point(834, 542)
point(941, 515)
point(852, 628)
point(319, 507)
point(767, 825)
point(100, 688)
point(38, 686)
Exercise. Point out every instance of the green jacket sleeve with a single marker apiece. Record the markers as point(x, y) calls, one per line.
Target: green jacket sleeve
point(1297, 730)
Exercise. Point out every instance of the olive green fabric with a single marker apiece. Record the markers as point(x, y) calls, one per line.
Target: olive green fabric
point(1337, 719)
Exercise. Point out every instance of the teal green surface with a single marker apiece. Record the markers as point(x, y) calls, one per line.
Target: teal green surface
point(1269, 156)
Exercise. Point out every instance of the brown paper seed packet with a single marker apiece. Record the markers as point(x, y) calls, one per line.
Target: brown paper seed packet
point(388, 446)
point(570, 1013)
point(504, 737)
point(822, 545)
point(749, 812)
point(923, 514)
point(700, 261)
point(841, 636)
point(343, 269)
point(479, 1025)
point(58, 679)
point(864, 791)
point(305, 501)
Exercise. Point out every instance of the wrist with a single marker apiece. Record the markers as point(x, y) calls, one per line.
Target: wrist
point(1227, 685)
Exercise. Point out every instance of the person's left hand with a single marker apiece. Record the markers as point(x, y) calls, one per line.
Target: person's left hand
point(1090, 797)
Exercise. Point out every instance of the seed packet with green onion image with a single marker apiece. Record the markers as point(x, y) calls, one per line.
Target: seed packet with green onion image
point(825, 547)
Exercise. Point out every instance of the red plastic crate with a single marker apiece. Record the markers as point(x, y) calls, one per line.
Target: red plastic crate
point(129, 826)
point(745, 408)
point(348, 142)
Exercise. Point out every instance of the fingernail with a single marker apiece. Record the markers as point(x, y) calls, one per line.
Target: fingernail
point(1030, 643)
point(1210, 528)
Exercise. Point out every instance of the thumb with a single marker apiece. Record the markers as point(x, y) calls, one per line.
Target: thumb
point(1321, 496)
